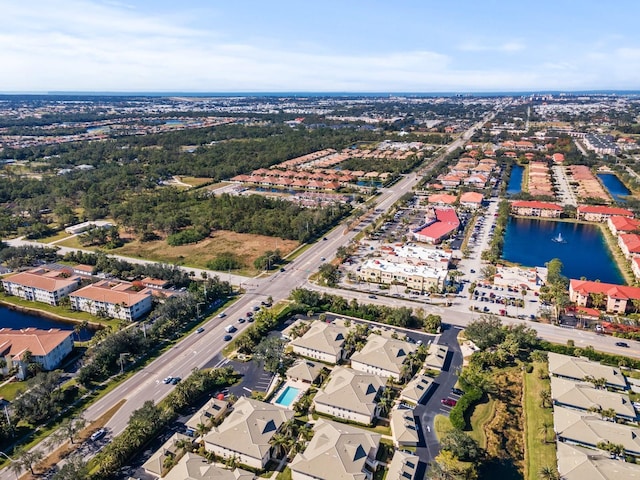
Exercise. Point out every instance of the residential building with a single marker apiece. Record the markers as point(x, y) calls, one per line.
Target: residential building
point(47, 347)
point(84, 226)
point(635, 266)
point(531, 208)
point(113, 299)
point(437, 357)
point(600, 213)
point(194, 467)
point(41, 285)
point(629, 243)
point(337, 452)
point(577, 369)
point(157, 463)
point(154, 283)
point(403, 466)
point(583, 396)
point(579, 463)
point(589, 430)
point(403, 428)
point(350, 395)
point(245, 434)
point(415, 391)
point(210, 413)
point(323, 341)
point(616, 298)
point(442, 199)
point(382, 356)
point(618, 224)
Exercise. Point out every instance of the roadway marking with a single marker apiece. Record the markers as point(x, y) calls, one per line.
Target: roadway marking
point(247, 389)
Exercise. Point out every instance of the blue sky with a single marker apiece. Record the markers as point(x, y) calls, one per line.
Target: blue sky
point(327, 45)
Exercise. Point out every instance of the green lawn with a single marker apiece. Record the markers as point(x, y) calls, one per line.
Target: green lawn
point(482, 414)
point(538, 453)
point(442, 425)
point(284, 475)
point(9, 391)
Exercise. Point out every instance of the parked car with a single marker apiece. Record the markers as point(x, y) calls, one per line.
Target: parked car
point(457, 391)
point(449, 402)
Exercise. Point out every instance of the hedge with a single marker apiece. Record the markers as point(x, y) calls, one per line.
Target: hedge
point(457, 414)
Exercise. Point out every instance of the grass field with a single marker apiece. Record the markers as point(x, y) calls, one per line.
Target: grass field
point(53, 238)
point(246, 246)
point(482, 414)
point(195, 181)
point(10, 390)
point(538, 454)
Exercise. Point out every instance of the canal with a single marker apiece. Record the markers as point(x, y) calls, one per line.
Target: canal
point(16, 320)
point(615, 187)
point(582, 248)
point(515, 180)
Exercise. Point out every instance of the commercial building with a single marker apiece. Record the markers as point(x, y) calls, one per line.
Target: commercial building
point(440, 224)
point(420, 278)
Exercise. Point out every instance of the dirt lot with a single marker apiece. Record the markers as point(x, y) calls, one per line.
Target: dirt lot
point(247, 246)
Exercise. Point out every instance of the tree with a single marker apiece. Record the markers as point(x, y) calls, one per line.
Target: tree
point(461, 445)
point(446, 466)
point(485, 332)
point(548, 473)
point(544, 431)
point(280, 444)
point(432, 323)
point(270, 350)
point(69, 428)
point(28, 459)
point(330, 274)
point(609, 414)
point(598, 299)
point(545, 398)
point(74, 469)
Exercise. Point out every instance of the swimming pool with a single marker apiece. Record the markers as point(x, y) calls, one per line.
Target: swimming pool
point(287, 396)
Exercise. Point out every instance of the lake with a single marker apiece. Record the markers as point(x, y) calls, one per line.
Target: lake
point(583, 252)
point(515, 180)
point(616, 188)
point(13, 319)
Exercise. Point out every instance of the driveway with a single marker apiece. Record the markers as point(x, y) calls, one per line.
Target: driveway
point(425, 413)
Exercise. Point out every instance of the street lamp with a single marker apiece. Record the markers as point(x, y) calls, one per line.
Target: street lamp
point(11, 460)
point(198, 308)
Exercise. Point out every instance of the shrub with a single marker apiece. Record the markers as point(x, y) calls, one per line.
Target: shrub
point(457, 416)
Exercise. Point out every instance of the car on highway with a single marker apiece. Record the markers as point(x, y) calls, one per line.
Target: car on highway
point(449, 402)
point(241, 320)
point(622, 344)
point(175, 380)
point(472, 271)
point(98, 434)
point(226, 338)
point(200, 330)
point(322, 259)
point(167, 380)
point(222, 315)
point(256, 308)
point(249, 314)
point(372, 296)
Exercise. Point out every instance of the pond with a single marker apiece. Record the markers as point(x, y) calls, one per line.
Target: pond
point(16, 320)
point(515, 180)
point(615, 187)
point(581, 248)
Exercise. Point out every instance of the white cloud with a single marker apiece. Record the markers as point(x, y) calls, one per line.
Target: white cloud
point(506, 47)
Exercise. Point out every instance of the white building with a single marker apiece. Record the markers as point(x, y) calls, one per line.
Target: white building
point(41, 285)
point(112, 299)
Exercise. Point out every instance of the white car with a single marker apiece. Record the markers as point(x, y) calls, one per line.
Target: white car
point(97, 435)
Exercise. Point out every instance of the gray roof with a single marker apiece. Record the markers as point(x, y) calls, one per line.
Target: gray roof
point(579, 368)
point(584, 396)
point(249, 427)
point(323, 337)
point(155, 464)
point(351, 390)
point(579, 463)
point(212, 410)
point(305, 370)
point(403, 426)
point(194, 467)
point(384, 353)
point(337, 452)
point(590, 429)
point(436, 357)
point(403, 466)
point(416, 388)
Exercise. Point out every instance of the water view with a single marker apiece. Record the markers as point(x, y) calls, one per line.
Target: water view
point(515, 180)
point(12, 319)
point(581, 248)
point(615, 187)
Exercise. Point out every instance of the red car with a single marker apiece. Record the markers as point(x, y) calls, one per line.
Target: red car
point(449, 402)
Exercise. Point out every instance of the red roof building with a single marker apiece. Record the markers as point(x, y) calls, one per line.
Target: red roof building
point(47, 347)
point(601, 213)
point(629, 243)
point(440, 226)
point(531, 208)
point(616, 298)
point(622, 224)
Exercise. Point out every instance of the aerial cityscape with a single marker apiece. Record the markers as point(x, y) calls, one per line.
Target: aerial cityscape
point(339, 242)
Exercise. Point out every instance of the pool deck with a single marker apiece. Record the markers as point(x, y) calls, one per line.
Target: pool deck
point(301, 386)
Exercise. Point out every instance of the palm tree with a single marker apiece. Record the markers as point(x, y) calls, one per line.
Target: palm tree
point(608, 414)
point(543, 430)
point(548, 473)
point(280, 444)
point(545, 397)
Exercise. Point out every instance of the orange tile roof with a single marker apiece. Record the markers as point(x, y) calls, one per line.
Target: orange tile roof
point(625, 224)
point(107, 292)
point(536, 204)
point(604, 210)
point(623, 292)
point(471, 197)
point(42, 279)
point(38, 342)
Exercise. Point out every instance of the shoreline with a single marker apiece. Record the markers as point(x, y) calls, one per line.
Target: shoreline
point(48, 315)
